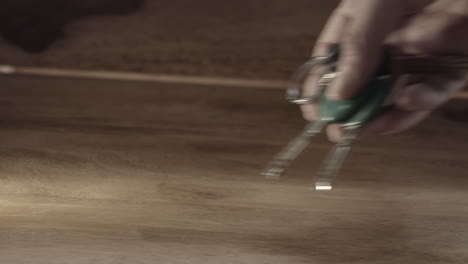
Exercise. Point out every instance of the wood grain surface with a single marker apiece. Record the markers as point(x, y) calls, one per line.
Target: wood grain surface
point(117, 172)
point(250, 39)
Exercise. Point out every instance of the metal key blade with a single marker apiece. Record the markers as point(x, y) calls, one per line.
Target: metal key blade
point(335, 160)
point(282, 160)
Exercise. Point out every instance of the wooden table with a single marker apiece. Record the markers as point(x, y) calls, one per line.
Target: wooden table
point(120, 172)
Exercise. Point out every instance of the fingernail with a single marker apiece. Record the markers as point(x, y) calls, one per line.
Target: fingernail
point(403, 101)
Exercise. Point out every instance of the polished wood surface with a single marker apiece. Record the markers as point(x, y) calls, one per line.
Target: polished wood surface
point(251, 39)
point(117, 172)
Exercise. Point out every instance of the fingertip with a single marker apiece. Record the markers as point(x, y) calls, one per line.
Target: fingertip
point(309, 112)
point(410, 121)
point(404, 102)
point(422, 97)
point(334, 133)
point(394, 121)
point(375, 127)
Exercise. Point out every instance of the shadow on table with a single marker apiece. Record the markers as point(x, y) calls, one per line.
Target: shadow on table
point(34, 25)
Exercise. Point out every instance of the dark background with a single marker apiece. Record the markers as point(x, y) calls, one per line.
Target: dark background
point(244, 38)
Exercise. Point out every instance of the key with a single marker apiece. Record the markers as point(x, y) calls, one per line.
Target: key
point(354, 113)
point(335, 160)
point(281, 161)
point(351, 113)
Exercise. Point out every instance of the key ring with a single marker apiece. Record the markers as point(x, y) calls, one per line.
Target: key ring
point(294, 90)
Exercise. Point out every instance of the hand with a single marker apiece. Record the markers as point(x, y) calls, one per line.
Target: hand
point(362, 27)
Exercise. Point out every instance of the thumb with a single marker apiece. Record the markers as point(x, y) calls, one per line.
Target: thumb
point(371, 22)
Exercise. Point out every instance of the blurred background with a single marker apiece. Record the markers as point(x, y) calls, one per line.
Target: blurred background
point(244, 38)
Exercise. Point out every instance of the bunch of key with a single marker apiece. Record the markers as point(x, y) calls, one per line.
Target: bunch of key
point(352, 114)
